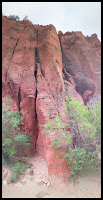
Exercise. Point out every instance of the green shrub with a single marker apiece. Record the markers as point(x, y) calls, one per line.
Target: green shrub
point(14, 17)
point(73, 31)
point(82, 134)
point(87, 36)
point(14, 141)
point(14, 176)
point(17, 168)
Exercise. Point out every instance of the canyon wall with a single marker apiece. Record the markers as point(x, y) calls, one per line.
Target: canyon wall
point(39, 67)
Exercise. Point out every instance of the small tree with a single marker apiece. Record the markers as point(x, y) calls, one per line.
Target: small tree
point(17, 18)
point(73, 31)
point(87, 36)
point(25, 18)
point(82, 134)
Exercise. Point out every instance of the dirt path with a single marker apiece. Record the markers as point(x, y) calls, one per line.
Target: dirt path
point(34, 184)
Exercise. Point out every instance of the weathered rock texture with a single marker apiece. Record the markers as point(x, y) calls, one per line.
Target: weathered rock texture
point(38, 67)
point(81, 63)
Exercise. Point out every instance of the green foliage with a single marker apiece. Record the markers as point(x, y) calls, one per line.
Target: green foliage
point(81, 133)
point(55, 143)
point(14, 176)
point(14, 17)
point(73, 31)
point(89, 120)
point(14, 141)
point(87, 36)
point(17, 168)
point(77, 156)
point(56, 124)
point(22, 139)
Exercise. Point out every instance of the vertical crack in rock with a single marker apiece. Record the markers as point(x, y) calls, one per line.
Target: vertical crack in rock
point(61, 48)
point(19, 99)
point(13, 53)
point(35, 75)
point(36, 133)
point(63, 70)
point(36, 61)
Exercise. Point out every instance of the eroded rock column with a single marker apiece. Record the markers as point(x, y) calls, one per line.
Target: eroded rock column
point(50, 98)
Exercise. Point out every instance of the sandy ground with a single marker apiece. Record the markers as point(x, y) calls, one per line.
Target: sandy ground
point(34, 184)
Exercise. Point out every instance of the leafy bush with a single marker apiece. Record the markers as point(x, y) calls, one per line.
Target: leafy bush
point(14, 141)
point(17, 18)
point(82, 134)
point(17, 168)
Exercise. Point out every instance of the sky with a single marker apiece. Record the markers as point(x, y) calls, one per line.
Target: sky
point(65, 16)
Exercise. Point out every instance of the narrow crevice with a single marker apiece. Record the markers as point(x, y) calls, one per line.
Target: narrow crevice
point(19, 99)
point(61, 48)
point(36, 133)
point(36, 52)
point(37, 60)
point(35, 71)
point(35, 75)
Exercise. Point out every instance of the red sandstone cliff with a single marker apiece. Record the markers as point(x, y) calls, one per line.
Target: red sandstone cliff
point(38, 67)
point(81, 62)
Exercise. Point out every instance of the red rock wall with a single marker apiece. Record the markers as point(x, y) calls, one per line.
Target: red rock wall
point(82, 61)
point(33, 58)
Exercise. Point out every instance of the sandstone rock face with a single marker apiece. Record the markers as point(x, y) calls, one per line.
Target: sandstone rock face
point(19, 42)
point(81, 59)
point(39, 67)
point(50, 93)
